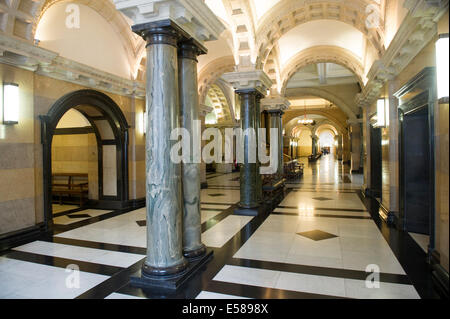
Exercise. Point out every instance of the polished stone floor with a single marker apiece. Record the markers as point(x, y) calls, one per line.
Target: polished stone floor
point(321, 241)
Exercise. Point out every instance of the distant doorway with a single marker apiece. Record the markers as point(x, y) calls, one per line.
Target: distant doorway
point(417, 156)
point(417, 172)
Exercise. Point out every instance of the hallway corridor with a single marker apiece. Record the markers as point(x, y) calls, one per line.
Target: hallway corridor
point(317, 243)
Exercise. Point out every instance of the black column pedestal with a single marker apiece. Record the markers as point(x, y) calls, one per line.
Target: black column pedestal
point(171, 283)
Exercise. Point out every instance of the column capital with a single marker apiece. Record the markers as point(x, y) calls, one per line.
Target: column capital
point(160, 32)
point(250, 80)
point(191, 49)
point(275, 104)
point(192, 16)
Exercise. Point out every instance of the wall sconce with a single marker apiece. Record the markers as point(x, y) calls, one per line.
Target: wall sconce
point(10, 103)
point(442, 65)
point(381, 113)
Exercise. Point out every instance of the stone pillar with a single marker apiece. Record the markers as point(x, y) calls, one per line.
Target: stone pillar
point(251, 87)
point(203, 111)
point(163, 24)
point(314, 139)
point(356, 142)
point(274, 107)
point(347, 157)
point(258, 138)
point(187, 70)
point(164, 200)
point(394, 165)
point(250, 197)
point(339, 148)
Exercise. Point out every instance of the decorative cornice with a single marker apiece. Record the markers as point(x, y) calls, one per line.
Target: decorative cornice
point(22, 54)
point(256, 79)
point(193, 16)
point(417, 29)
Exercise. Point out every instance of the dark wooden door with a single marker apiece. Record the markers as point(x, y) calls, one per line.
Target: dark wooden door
point(417, 177)
point(375, 161)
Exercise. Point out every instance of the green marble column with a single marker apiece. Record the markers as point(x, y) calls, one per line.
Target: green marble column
point(187, 65)
point(258, 163)
point(250, 177)
point(163, 176)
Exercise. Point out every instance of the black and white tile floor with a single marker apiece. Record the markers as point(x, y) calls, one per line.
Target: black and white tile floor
point(318, 243)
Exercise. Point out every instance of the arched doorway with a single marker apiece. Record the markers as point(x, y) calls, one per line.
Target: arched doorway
point(111, 131)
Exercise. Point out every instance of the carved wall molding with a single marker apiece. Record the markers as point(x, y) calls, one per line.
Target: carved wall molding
point(417, 30)
point(23, 54)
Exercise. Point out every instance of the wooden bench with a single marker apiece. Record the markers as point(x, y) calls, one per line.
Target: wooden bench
point(70, 184)
point(312, 158)
point(273, 186)
point(293, 170)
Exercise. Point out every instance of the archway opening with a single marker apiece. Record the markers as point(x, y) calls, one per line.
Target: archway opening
point(85, 120)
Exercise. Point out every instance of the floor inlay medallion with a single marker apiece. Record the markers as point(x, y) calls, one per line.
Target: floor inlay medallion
point(317, 235)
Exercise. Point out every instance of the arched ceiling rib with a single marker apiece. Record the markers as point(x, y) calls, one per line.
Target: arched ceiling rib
point(221, 105)
point(288, 14)
point(322, 54)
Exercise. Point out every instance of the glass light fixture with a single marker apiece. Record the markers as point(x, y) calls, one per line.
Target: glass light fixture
point(10, 103)
point(381, 113)
point(306, 121)
point(442, 66)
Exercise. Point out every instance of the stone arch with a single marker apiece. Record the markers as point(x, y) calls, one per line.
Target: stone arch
point(221, 101)
point(288, 14)
point(325, 124)
point(346, 108)
point(111, 129)
point(291, 120)
point(213, 71)
point(322, 54)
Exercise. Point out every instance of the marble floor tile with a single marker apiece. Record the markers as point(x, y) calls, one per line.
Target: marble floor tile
point(357, 289)
point(27, 280)
point(220, 234)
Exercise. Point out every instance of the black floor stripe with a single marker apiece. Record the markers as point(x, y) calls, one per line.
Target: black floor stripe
point(261, 292)
point(319, 271)
point(84, 266)
point(112, 284)
point(332, 209)
point(212, 209)
point(98, 245)
point(324, 215)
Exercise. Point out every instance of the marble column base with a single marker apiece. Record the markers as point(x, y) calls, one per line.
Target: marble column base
point(195, 254)
point(239, 211)
point(174, 282)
